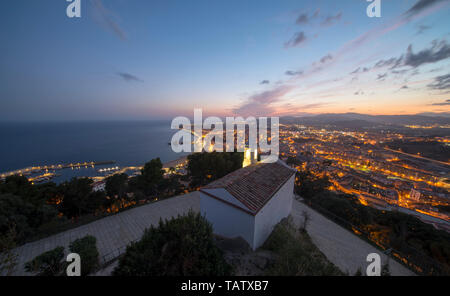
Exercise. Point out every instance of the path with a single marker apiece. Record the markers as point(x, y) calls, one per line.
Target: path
point(346, 250)
point(113, 233)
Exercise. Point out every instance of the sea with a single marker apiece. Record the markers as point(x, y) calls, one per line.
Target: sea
point(127, 143)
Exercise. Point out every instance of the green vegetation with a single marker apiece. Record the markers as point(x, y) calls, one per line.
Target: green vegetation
point(116, 185)
point(53, 263)
point(47, 264)
point(78, 198)
point(296, 254)
point(204, 168)
point(8, 259)
point(151, 183)
point(40, 210)
point(87, 249)
point(308, 185)
point(417, 244)
point(181, 246)
point(24, 206)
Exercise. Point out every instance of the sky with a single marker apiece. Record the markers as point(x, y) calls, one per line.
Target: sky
point(155, 59)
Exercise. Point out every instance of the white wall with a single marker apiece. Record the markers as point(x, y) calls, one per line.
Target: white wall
point(227, 220)
point(278, 207)
point(231, 222)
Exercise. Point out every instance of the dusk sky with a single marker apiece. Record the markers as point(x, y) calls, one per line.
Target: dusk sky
point(132, 59)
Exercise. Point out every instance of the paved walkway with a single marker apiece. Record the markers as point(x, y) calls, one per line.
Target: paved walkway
point(346, 250)
point(113, 233)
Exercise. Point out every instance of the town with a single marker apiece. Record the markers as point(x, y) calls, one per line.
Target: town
point(361, 163)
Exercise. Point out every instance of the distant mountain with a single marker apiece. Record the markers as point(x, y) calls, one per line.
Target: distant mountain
point(364, 120)
point(439, 114)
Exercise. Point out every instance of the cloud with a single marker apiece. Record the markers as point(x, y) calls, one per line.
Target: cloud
point(311, 106)
point(441, 83)
point(332, 19)
point(446, 103)
point(262, 103)
point(359, 92)
point(382, 76)
point(265, 82)
point(129, 78)
point(293, 73)
point(302, 19)
point(391, 63)
point(107, 19)
point(413, 14)
point(422, 28)
point(438, 51)
point(326, 58)
point(420, 6)
point(296, 40)
point(360, 70)
point(399, 71)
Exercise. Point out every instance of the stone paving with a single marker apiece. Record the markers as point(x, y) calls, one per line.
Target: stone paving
point(345, 249)
point(113, 233)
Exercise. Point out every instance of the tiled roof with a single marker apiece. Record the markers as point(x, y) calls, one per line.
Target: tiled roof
point(253, 185)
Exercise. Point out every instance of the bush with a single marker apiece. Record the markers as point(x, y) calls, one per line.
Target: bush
point(296, 254)
point(87, 249)
point(181, 246)
point(47, 264)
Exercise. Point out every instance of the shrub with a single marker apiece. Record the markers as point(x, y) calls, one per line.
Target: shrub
point(296, 254)
point(47, 264)
point(181, 246)
point(87, 249)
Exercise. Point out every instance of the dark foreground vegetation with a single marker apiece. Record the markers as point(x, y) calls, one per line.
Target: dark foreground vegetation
point(182, 246)
point(296, 255)
point(33, 211)
point(43, 209)
point(53, 263)
point(423, 248)
point(204, 168)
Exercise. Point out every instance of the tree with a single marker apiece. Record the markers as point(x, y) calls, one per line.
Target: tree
point(204, 168)
point(182, 246)
point(116, 185)
point(152, 171)
point(150, 179)
point(171, 185)
point(87, 249)
point(78, 197)
point(47, 264)
point(308, 185)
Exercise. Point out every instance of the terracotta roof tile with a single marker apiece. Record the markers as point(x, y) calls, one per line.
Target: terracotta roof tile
point(254, 185)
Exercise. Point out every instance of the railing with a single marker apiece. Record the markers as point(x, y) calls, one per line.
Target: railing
point(113, 255)
point(414, 259)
